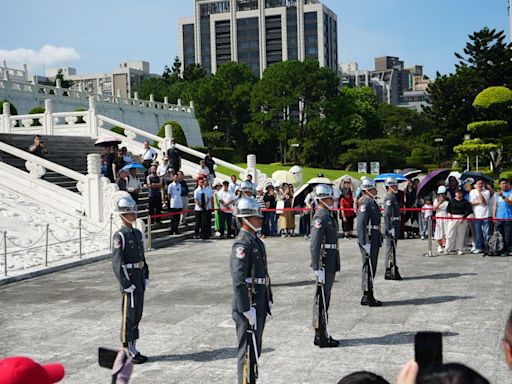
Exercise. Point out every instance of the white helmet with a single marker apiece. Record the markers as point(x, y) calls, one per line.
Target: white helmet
point(323, 191)
point(126, 204)
point(390, 182)
point(248, 207)
point(368, 184)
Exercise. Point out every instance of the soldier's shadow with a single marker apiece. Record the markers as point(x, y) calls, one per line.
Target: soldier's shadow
point(202, 356)
point(399, 338)
point(439, 276)
point(425, 300)
point(295, 283)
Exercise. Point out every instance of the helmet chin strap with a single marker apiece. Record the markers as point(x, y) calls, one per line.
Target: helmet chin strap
point(326, 205)
point(248, 223)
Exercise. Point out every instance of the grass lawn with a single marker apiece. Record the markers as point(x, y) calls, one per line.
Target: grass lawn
point(309, 173)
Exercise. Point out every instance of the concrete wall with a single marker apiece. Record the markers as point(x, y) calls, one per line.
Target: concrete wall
point(148, 117)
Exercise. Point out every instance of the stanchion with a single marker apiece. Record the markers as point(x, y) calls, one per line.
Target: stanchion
point(429, 224)
point(80, 238)
point(46, 247)
point(5, 253)
point(110, 238)
point(149, 233)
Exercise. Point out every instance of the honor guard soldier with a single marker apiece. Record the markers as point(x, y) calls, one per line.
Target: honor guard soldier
point(392, 222)
point(369, 238)
point(252, 291)
point(325, 261)
point(132, 272)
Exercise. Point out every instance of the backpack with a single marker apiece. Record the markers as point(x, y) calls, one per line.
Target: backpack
point(496, 244)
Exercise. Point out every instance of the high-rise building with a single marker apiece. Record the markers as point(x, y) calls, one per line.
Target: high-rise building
point(258, 33)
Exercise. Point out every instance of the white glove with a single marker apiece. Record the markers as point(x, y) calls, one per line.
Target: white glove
point(367, 248)
point(251, 316)
point(392, 232)
point(146, 282)
point(270, 305)
point(320, 275)
point(130, 289)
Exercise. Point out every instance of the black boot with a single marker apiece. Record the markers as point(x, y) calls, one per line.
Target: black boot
point(364, 299)
point(388, 275)
point(397, 274)
point(139, 359)
point(372, 301)
point(316, 341)
point(324, 341)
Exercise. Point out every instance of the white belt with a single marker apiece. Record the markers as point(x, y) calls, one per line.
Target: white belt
point(396, 218)
point(135, 265)
point(256, 280)
point(377, 227)
point(330, 246)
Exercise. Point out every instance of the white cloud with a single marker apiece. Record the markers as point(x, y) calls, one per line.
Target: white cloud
point(47, 55)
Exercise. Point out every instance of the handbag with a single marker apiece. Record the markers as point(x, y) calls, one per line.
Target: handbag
point(280, 207)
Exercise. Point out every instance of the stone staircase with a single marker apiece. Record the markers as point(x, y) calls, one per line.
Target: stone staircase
point(71, 152)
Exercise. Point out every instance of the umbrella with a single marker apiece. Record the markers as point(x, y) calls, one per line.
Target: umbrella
point(410, 172)
point(339, 182)
point(429, 182)
point(107, 141)
point(455, 174)
point(477, 176)
point(133, 165)
point(383, 176)
point(300, 195)
point(284, 177)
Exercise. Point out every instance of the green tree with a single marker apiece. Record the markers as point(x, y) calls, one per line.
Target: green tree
point(177, 132)
point(35, 111)
point(64, 83)
point(157, 86)
point(12, 108)
point(390, 152)
point(193, 72)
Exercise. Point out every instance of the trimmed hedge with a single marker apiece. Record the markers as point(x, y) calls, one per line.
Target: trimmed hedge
point(224, 153)
point(493, 96)
point(34, 111)
point(489, 127)
point(118, 130)
point(177, 132)
point(12, 108)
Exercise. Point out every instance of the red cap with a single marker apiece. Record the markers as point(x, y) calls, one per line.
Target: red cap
point(23, 370)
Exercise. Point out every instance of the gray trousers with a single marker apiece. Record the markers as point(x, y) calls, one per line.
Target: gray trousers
point(388, 258)
point(374, 255)
point(329, 282)
point(131, 316)
point(241, 328)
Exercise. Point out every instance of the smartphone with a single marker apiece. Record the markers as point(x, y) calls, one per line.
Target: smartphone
point(428, 349)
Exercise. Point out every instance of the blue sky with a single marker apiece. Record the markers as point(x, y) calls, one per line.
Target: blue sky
point(95, 36)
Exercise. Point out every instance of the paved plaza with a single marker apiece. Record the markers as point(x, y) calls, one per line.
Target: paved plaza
point(189, 336)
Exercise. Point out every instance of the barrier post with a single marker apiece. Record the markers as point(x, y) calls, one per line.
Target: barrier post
point(110, 238)
point(46, 247)
point(79, 238)
point(5, 253)
point(429, 224)
point(149, 232)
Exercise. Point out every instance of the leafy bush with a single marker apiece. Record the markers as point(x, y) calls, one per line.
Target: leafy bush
point(417, 152)
point(80, 118)
point(177, 132)
point(13, 109)
point(118, 130)
point(488, 128)
point(492, 97)
point(223, 153)
point(473, 148)
point(34, 111)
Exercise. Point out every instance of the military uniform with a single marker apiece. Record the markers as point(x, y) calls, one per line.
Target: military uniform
point(130, 267)
point(248, 264)
point(368, 232)
point(324, 254)
point(392, 221)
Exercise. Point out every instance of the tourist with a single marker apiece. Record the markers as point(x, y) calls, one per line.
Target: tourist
point(110, 153)
point(440, 206)
point(203, 172)
point(133, 186)
point(38, 148)
point(122, 179)
point(184, 197)
point(364, 377)
point(126, 156)
point(453, 185)
point(411, 217)
point(210, 164)
point(154, 183)
point(458, 210)
point(175, 203)
point(147, 156)
point(347, 213)
point(507, 341)
point(104, 165)
point(287, 218)
point(216, 215)
point(174, 155)
point(203, 200)
point(161, 171)
point(233, 185)
point(426, 213)
point(502, 212)
point(226, 205)
point(479, 198)
point(270, 216)
point(118, 162)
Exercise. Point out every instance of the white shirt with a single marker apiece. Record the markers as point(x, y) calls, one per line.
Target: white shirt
point(481, 210)
point(233, 187)
point(127, 159)
point(207, 196)
point(174, 192)
point(162, 170)
point(203, 171)
point(133, 183)
point(227, 197)
point(147, 154)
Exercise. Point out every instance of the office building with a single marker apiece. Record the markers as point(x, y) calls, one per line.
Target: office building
point(258, 33)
